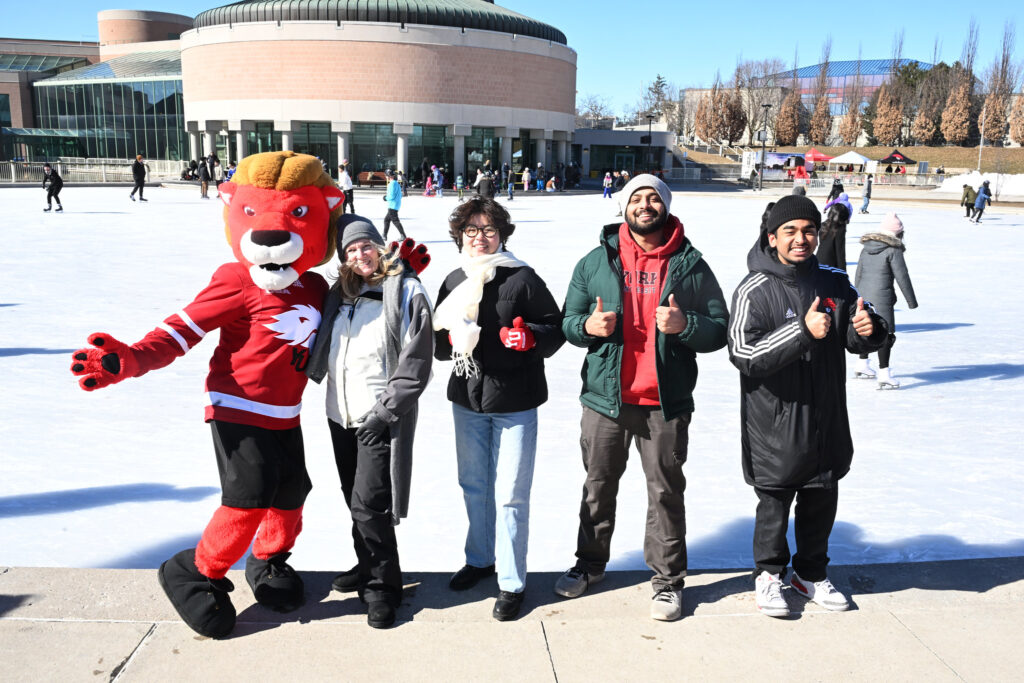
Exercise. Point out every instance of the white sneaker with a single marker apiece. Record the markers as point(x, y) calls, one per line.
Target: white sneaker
point(821, 592)
point(667, 605)
point(768, 590)
point(886, 380)
point(575, 582)
point(863, 369)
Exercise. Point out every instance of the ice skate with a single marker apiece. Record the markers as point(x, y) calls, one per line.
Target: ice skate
point(48, 209)
point(886, 380)
point(274, 583)
point(60, 209)
point(201, 602)
point(863, 369)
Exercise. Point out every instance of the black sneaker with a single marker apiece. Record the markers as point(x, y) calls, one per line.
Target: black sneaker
point(143, 199)
point(380, 614)
point(469, 576)
point(60, 209)
point(274, 583)
point(48, 209)
point(507, 606)
point(348, 582)
point(202, 603)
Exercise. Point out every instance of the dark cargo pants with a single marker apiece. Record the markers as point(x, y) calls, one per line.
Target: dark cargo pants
point(605, 444)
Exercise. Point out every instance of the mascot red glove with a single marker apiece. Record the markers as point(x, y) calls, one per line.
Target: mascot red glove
point(519, 337)
point(279, 217)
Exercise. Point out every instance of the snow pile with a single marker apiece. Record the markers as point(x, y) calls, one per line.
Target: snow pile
point(1001, 183)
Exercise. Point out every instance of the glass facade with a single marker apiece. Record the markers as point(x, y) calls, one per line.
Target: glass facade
point(522, 151)
point(117, 120)
point(315, 138)
point(431, 144)
point(374, 147)
point(5, 110)
point(481, 146)
point(264, 138)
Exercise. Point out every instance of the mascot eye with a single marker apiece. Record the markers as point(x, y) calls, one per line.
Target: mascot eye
point(249, 211)
point(300, 211)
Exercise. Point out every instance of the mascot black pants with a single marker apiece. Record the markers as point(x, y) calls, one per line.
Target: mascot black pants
point(365, 473)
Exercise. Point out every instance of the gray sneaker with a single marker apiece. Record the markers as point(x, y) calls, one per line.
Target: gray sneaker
point(667, 605)
point(575, 582)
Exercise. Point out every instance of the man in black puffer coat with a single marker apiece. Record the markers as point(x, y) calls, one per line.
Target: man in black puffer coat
point(792, 320)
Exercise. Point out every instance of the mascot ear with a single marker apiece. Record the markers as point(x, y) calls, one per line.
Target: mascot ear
point(227, 191)
point(332, 195)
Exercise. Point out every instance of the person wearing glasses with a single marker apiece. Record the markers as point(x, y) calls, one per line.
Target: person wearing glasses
point(497, 320)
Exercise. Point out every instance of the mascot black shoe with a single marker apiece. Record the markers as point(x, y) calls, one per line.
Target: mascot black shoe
point(274, 583)
point(202, 603)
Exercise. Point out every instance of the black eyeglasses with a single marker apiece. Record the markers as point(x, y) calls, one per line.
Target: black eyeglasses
point(472, 231)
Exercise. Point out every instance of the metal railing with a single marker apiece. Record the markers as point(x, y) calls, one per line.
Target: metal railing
point(686, 175)
point(88, 171)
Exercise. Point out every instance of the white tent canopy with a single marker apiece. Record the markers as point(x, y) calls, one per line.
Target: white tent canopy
point(850, 157)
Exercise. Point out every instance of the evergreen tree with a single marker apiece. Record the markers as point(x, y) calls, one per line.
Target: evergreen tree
point(956, 117)
point(850, 126)
point(995, 118)
point(888, 123)
point(1017, 121)
point(821, 122)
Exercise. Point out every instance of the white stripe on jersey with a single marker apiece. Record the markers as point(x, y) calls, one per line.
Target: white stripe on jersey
point(175, 336)
point(200, 332)
point(741, 349)
point(265, 409)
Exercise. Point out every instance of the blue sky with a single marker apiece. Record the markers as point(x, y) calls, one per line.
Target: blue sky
point(623, 45)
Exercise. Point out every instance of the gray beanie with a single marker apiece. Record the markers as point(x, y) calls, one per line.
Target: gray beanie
point(351, 228)
point(646, 180)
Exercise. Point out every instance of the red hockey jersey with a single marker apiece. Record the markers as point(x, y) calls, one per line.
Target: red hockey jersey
point(256, 373)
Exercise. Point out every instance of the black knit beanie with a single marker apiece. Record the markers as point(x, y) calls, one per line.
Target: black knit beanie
point(793, 207)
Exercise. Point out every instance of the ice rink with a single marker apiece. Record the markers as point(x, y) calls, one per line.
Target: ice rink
point(126, 476)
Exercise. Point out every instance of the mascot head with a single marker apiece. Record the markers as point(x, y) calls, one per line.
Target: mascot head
point(279, 216)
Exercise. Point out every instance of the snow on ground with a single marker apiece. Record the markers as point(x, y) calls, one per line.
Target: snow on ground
point(126, 476)
point(1003, 185)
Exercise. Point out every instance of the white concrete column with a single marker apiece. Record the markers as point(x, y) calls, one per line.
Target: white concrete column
point(285, 129)
point(209, 144)
point(343, 130)
point(563, 152)
point(506, 151)
point(460, 155)
point(540, 148)
point(193, 146)
point(402, 133)
point(242, 143)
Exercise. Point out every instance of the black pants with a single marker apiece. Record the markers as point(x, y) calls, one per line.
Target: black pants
point(53, 193)
point(978, 212)
point(392, 217)
point(815, 514)
point(969, 210)
point(139, 184)
point(349, 201)
point(888, 314)
point(260, 468)
point(365, 474)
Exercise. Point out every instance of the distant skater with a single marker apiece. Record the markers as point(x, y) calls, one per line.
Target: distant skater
point(52, 183)
point(139, 176)
point(984, 195)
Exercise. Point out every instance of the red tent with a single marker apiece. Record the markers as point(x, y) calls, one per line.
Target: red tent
point(815, 156)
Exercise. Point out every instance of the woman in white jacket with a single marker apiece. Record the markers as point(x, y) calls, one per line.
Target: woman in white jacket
point(375, 347)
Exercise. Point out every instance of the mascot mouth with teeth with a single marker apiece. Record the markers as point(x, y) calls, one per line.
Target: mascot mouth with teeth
point(280, 213)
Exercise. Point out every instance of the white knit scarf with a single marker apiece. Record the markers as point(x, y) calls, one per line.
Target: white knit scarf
point(458, 312)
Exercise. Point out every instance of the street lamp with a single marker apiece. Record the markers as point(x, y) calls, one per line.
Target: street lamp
point(650, 119)
point(764, 141)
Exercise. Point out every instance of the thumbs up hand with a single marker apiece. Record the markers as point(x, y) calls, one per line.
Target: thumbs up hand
point(519, 337)
point(817, 321)
point(600, 323)
point(862, 323)
point(670, 319)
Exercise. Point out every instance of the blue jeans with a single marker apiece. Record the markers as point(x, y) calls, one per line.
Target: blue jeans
point(495, 453)
point(864, 206)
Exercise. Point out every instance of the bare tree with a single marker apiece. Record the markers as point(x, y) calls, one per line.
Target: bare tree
point(956, 116)
point(734, 116)
point(590, 108)
point(853, 95)
point(1000, 80)
point(1017, 121)
point(888, 117)
point(970, 52)
point(821, 120)
point(761, 85)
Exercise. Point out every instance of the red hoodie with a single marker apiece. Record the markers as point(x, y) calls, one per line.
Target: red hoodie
point(643, 274)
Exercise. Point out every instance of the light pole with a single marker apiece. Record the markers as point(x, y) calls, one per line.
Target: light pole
point(764, 141)
point(981, 142)
point(650, 119)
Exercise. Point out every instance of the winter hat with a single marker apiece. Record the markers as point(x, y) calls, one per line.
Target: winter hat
point(793, 207)
point(646, 180)
point(352, 228)
point(892, 223)
point(799, 190)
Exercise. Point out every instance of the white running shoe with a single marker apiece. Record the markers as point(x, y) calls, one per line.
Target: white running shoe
point(886, 380)
point(821, 592)
point(863, 369)
point(768, 590)
point(667, 605)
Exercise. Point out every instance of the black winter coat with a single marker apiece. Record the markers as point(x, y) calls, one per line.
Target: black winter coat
point(795, 430)
point(138, 171)
point(54, 180)
point(509, 381)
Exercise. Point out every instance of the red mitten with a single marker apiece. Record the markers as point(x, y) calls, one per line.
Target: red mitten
point(519, 337)
point(109, 363)
point(414, 255)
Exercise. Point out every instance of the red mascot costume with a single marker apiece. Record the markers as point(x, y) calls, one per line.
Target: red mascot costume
point(280, 218)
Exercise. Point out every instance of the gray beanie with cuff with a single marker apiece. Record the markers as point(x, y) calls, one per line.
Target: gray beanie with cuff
point(646, 180)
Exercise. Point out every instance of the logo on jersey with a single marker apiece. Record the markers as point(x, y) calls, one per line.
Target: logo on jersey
point(790, 314)
point(296, 326)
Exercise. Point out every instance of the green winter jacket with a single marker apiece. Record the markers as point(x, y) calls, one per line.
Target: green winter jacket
point(599, 274)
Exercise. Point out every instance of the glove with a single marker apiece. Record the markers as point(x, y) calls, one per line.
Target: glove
point(415, 256)
point(519, 337)
point(109, 363)
point(371, 432)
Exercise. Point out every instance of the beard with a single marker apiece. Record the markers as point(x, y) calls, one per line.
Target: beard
point(648, 228)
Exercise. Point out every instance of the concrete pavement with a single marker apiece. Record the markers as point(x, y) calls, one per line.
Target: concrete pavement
point(936, 621)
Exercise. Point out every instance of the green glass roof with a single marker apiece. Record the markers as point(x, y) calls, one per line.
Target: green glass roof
point(39, 132)
point(139, 66)
point(474, 14)
point(9, 62)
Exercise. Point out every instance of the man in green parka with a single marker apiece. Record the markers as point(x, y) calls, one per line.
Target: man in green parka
point(643, 303)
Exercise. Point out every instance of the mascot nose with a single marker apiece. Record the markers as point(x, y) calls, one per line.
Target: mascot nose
point(270, 238)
